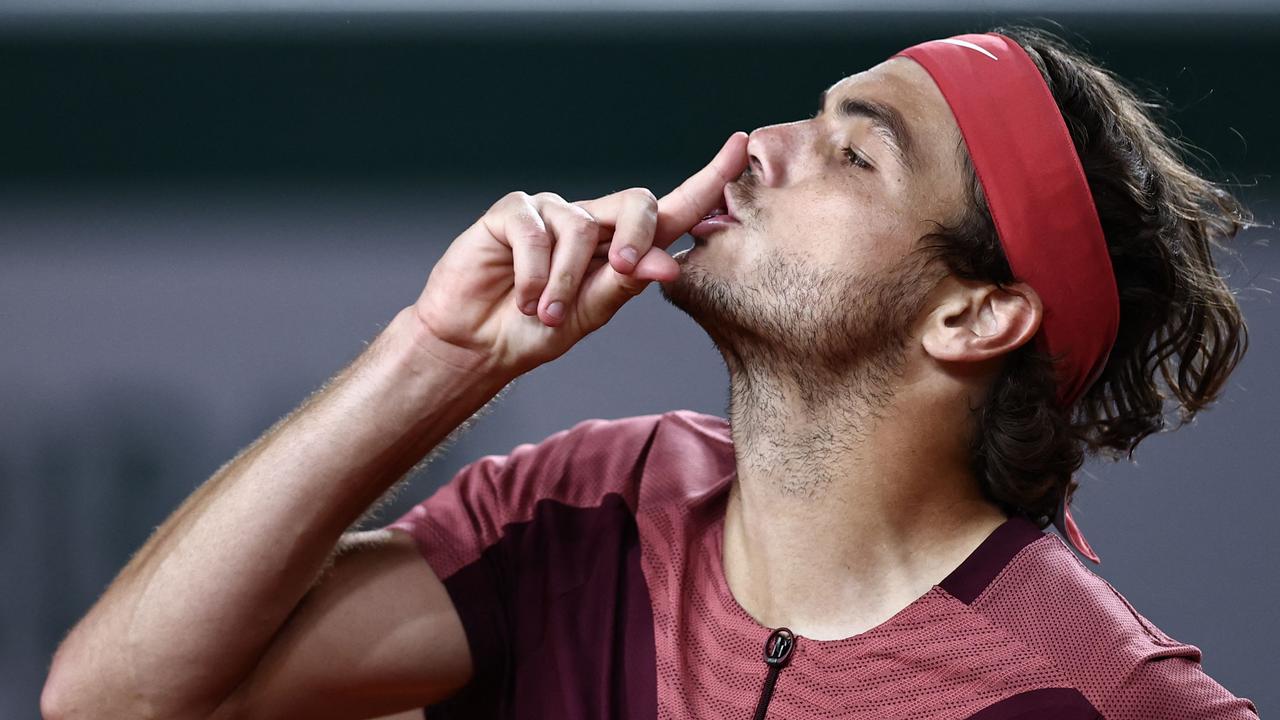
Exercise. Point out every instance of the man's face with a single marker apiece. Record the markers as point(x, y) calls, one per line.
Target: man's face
point(819, 262)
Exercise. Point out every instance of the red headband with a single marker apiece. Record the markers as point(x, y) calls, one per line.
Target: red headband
point(1040, 203)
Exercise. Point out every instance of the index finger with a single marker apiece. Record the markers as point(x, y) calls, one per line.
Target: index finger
point(682, 208)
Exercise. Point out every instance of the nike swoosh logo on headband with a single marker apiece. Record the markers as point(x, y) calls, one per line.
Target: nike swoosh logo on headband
point(971, 46)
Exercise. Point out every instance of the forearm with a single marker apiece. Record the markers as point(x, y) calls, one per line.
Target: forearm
point(196, 607)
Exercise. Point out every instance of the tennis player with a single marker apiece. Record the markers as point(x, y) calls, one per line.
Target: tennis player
point(978, 262)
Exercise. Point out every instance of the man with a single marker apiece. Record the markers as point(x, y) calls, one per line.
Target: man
point(969, 268)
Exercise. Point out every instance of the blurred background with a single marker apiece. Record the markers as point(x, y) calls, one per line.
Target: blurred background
point(208, 208)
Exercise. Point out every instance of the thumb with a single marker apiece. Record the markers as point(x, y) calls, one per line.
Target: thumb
point(682, 208)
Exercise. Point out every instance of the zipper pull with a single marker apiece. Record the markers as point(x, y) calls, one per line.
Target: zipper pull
point(777, 654)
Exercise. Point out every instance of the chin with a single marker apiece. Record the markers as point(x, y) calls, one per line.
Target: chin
point(702, 293)
point(719, 251)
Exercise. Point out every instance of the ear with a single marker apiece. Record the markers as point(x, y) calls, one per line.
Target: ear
point(977, 321)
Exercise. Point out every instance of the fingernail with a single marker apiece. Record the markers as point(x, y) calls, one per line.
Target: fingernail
point(556, 309)
point(530, 307)
point(629, 254)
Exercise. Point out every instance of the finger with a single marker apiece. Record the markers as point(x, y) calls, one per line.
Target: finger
point(657, 265)
point(633, 215)
point(576, 234)
point(604, 291)
point(682, 208)
point(515, 222)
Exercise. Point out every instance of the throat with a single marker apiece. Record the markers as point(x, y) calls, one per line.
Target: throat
point(826, 582)
point(871, 500)
point(797, 434)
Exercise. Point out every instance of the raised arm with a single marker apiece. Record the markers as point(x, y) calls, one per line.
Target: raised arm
point(227, 610)
point(197, 608)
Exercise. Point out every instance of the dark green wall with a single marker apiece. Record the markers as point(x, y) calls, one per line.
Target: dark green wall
point(531, 98)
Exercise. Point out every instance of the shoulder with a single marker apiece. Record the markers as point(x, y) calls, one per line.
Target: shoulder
point(593, 463)
point(691, 459)
point(680, 451)
point(1122, 662)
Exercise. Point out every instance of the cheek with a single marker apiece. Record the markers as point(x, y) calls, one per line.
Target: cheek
point(855, 223)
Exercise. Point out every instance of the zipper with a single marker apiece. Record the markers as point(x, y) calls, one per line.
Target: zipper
point(777, 653)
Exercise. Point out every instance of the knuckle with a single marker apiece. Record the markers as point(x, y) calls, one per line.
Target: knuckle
point(536, 238)
point(534, 276)
point(548, 197)
point(686, 199)
point(566, 280)
point(515, 197)
point(643, 196)
point(529, 286)
point(584, 224)
point(514, 202)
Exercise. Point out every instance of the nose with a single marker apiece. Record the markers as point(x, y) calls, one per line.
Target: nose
point(771, 151)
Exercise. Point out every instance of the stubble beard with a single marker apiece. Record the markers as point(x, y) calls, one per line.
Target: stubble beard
point(812, 353)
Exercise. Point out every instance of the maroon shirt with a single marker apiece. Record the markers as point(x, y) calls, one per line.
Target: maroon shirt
point(587, 573)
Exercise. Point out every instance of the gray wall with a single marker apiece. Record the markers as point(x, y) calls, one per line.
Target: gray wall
point(162, 302)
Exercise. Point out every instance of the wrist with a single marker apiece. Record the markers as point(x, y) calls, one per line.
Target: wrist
point(415, 350)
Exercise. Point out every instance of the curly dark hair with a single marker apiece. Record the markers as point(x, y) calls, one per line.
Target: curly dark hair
point(1181, 332)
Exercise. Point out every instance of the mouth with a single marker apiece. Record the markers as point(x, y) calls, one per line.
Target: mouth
point(718, 219)
point(729, 208)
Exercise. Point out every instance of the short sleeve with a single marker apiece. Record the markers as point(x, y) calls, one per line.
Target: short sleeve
point(577, 467)
point(1174, 685)
point(506, 532)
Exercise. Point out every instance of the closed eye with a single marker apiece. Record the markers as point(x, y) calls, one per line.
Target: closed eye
point(857, 159)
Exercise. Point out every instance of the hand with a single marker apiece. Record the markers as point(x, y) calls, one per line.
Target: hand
point(536, 273)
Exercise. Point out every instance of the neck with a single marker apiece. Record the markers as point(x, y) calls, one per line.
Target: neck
point(866, 495)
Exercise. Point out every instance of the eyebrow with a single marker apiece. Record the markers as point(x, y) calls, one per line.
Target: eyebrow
point(886, 119)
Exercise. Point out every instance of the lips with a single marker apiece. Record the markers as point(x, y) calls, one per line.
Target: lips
point(718, 219)
point(729, 208)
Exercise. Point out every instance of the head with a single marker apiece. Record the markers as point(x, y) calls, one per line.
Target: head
point(818, 283)
point(865, 251)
